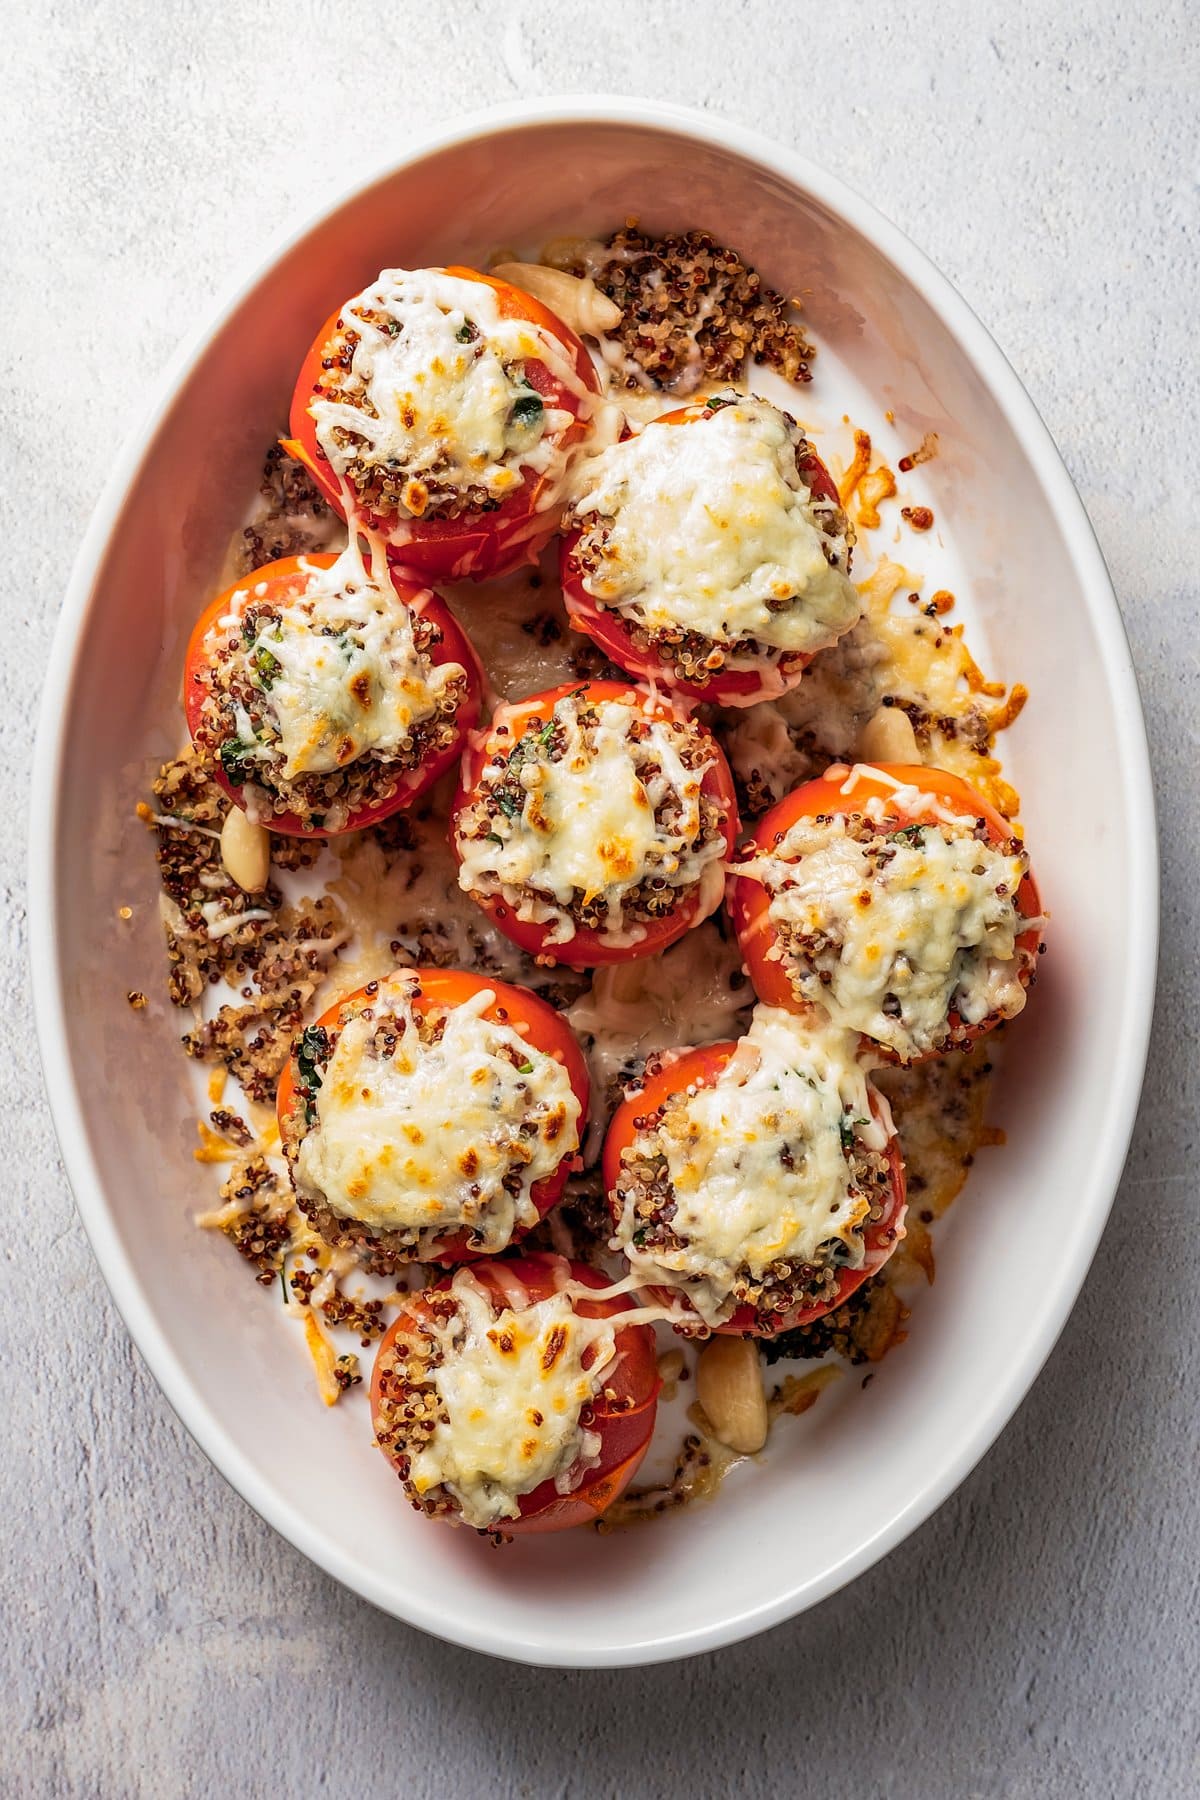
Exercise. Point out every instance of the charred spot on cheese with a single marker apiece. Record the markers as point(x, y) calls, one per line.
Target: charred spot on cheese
point(760, 1187)
point(902, 926)
point(317, 705)
point(482, 1403)
point(596, 817)
point(707, 541)
point(425, 408)
point(422, 1123)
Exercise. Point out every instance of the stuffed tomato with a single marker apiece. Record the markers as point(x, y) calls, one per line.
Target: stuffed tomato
point(593, 823)
point(897, 901)
point(326, 698)
point(439, 410)
point(710, 552)
point(432, 1116)
point(754, 1186)
point(509, 1400)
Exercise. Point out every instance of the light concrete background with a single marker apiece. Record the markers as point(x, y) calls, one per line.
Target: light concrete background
point(1039, 1636)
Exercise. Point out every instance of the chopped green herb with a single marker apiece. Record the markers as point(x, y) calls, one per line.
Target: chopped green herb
point(312, 1049)
point(525, 1068)
point(526, 751)
point(268, 668)
point(527, 410)
point(237, 760)
point(849, 1131)
point(912, 834)
point(467, 332)
point(715, 402)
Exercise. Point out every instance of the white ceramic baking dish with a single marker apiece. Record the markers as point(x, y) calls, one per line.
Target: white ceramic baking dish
point(865, 1466)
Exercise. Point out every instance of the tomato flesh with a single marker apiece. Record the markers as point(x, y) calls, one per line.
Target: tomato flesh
point(477, 545)
point(538, 1023)
point(586, 949)
point(701, 1068)
point(286, 581)
point(749, 903)
point(624, 1425)
point(613, 632)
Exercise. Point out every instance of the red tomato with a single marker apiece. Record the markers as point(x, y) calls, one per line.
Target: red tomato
point(749, 903)
point(586, 950)
point(624, 1423)
point(609, 628)
point(700, 1068)
point(287, 580)
point(538, 1023)
point(478, 544)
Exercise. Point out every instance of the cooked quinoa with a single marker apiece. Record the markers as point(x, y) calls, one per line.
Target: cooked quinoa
point(691, 310)
point(408, 1406)
point(260, 1230)
point(292, 518)
point(271, 952)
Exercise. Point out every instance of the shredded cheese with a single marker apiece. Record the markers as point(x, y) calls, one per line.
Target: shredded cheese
point(340, 672)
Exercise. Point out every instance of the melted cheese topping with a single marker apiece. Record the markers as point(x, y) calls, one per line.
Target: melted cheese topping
point(936, 932)
point(512, 1387)
point(442, 377)
point(757, 1165)
point(425, 1140)
point(708, 526)
point(588, 825)
point(341, 673)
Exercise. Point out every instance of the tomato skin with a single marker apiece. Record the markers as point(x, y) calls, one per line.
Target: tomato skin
point(624, 1436)
point(288, 577)
point(587, 950)
point(542, 1027)
point(613, 633)
point(701, 1068)
point(478, 545)
point(749, 904)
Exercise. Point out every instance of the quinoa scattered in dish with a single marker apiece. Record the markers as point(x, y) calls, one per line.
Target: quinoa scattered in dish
point(691, 310)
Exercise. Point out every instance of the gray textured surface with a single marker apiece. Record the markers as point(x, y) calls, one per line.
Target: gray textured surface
point(1039, 1636)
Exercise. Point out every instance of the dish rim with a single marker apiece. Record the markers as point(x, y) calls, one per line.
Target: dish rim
point(1133, 761)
